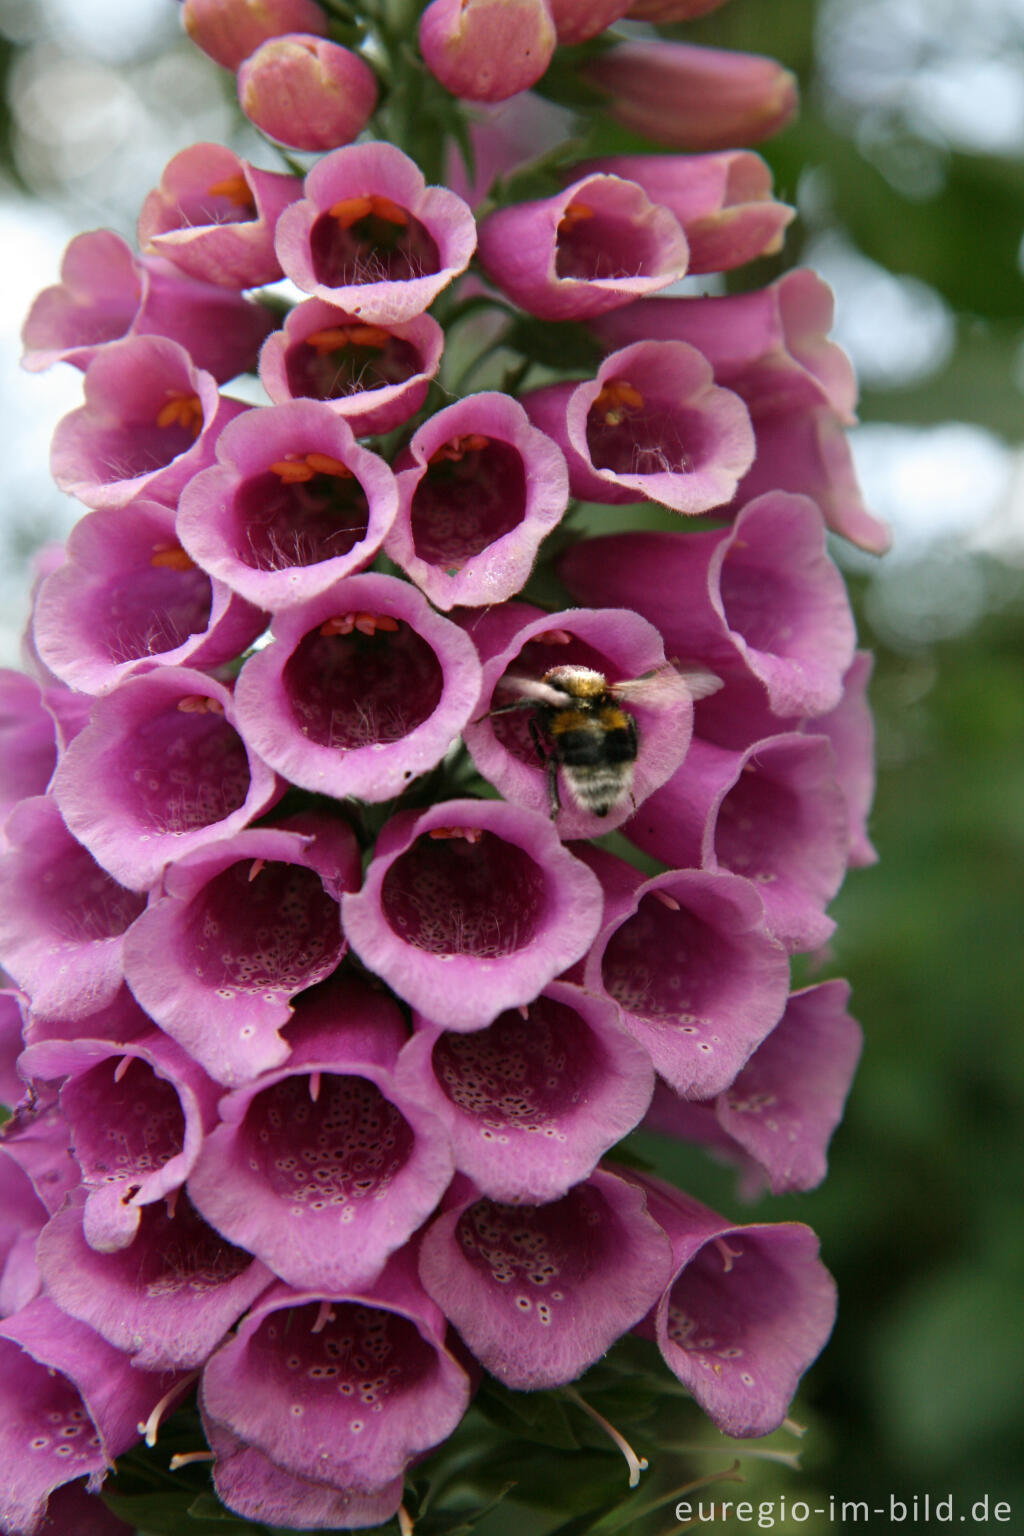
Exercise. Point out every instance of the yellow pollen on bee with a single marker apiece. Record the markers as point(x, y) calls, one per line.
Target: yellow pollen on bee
point(255, 867)
point(294, 471)
point(352, 209)
point(456, 449)
point(468, 834)
point(617, 400)
point(333, 337)
point(576, 213)
point(181, 410)
point(237, 190)
point(200, 704)
point(365, 623)
point(171, 557)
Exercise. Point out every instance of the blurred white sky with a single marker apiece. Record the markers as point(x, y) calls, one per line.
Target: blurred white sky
point(107, 92)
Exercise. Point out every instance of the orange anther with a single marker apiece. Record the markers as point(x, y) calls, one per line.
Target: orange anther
point(350, 210)
point(456, 449)
point(255, 867)
point(181, 410)
point(365, 623)
point(325, 464)
point(171, 557)
point(442, 834)
point(616, 400)
point(576, 213)
point(200, 704)
point(292, 471)
point(554, 637)
point(334, 337)
point(236, 189)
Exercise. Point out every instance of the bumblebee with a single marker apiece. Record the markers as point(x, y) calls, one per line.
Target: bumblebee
point(582, 730)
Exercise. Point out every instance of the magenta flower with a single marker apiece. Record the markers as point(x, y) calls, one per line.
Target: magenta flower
point(214, 216)
point(254, 1486)
point(62, 917)
point(136, 1114)
point(321, 1167)
point(375, 376)
point(652, 425)
point(149, 422)
point(168, 1300)
point(107, 294)
point(746, 1312)
point(292, 504)
point(229, 30)
point(121, 1020)
point(723, 202)
point(519, 650)
point(471, 908)
point(777, 1116)
point(487, 50)
point(22, 1218)
point(576, 21)
point(689, 959)
point(28, 747)
point(343, 1388)
point(69, 1404)
point(364, 687)
point(850, 728)
point(773, 813)
point(479, 488)
point(686, 97)
point(372, 237)
point(535, 1099)
point(596, 246)
point(539, 1292)
point(762, 597)
point(243, 925)
point(771, 347)
point(128, 598)
point(160, 771)
point(306, 91)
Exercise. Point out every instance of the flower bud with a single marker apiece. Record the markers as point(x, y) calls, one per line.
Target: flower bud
point(487, 50)
point(307, 92)
point(229, 30)
point(686, 97)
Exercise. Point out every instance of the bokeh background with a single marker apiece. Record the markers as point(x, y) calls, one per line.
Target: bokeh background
point(907, 167)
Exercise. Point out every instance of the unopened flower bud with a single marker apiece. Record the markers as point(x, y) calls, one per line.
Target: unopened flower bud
point(229, 30)
point(487, 50)
point(307, 92)
point(686, 97)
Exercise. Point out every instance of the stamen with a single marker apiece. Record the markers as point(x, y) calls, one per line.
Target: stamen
point(635, 1463)
point(576, 213)
point(351, 210)
point(728, 1254)
point(171, 557)
point(405, 1522)
point(524, 1010)
point(554, 637)
point(333, 337)
point(255, 867)
point(181, 410)
point(149, 1429)
point(667, 900)
point(617, 400)
point(200, 704)
point(122, 1067)
point(325, 1314)
point(295, 470)
point(188, 1459)
point(455, 450)
point(470, 834)
point(794, 1428)
point(237, 190)
point(365, 623)
point(314, 1086)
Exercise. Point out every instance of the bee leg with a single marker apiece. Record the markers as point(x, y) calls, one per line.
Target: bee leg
point(550, 762)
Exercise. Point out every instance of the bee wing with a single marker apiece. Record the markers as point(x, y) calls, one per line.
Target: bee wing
point(532, 690)
point(674, 683)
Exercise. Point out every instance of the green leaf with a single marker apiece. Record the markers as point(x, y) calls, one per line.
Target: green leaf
point(539, 1416)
